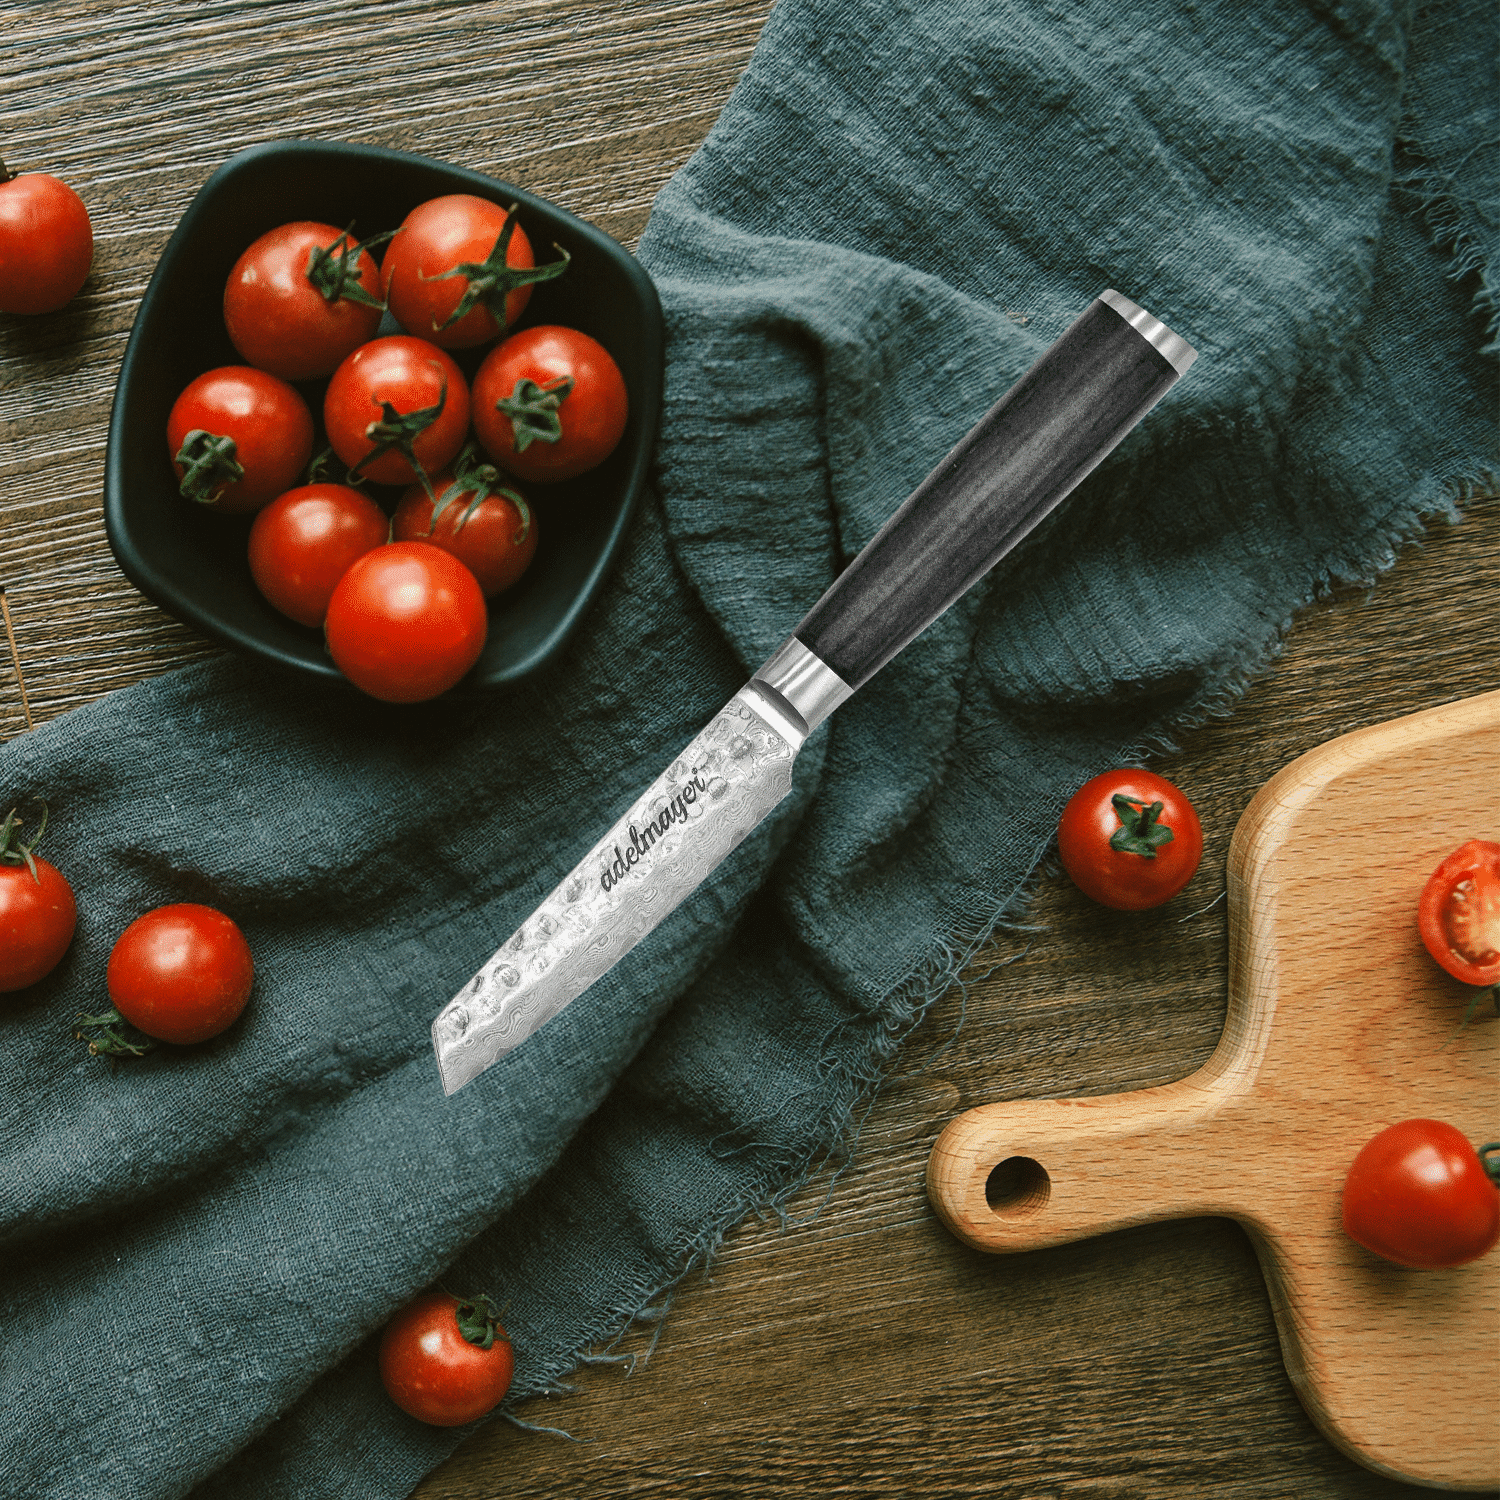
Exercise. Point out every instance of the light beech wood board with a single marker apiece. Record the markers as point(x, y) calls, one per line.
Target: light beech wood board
point(1339, 1024)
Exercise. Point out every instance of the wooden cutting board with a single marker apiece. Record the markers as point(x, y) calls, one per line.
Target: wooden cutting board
point(1339, 1024)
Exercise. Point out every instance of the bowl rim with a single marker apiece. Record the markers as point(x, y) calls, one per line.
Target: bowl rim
point(161, 590)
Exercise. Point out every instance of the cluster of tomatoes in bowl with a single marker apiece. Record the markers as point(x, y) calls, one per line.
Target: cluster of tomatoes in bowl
point(398, 585)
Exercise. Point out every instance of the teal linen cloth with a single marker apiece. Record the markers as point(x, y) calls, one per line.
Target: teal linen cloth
point(902, 204)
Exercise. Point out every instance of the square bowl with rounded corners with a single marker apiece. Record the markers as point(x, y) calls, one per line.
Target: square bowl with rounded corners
point(192, 560)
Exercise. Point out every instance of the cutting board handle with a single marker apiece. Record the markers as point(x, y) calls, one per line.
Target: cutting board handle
point(1040, 1172)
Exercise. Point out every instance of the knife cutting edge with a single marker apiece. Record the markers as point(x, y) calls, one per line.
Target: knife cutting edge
point(1024, 456)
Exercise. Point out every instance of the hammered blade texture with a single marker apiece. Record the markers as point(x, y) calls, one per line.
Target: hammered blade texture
point(665, 846)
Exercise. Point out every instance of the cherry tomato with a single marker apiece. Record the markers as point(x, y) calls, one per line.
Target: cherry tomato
point(549, 403)
point(46, 243)
point(483, 521)
point(396, 408)
point(460, 270)
point(180, 973)
point(406, 622)
point(300, 299)
point(446, 1361)
point(303, 542)
point(1420, 1195)
point(1129, 839)
point(37, 910)
point(1459, 913)
point(238, 438)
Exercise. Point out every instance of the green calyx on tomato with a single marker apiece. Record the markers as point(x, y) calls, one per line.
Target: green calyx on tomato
point(326, 467)
point(491, 280)
point(12, 850)
point(533, 410)
point(400, 430)
point(208, 465)
point(333, 269)
point(479, 1321)
point(1489, 1155)
point(112, 1036)
point(37, 909)
point(1140, 831)
point(479, 480)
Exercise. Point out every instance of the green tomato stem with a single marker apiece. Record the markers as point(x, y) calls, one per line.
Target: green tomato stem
point(20, 853)
point(479, 1321)
point(1489, 1155)
point(113, 1036)
point(400, 430)
point(209, 466)
point(492, 280)
point(1139, 831)
point(533, 410)
point(333, 269)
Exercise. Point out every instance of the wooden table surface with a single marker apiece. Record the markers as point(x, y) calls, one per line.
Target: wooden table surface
point(862, 1350)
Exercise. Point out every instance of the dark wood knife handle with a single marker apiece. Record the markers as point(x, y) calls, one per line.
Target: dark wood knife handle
point(1039, 441)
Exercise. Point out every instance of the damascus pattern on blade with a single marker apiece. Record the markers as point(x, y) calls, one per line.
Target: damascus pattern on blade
point(665, 846)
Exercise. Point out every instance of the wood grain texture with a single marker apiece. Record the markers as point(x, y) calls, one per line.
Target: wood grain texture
point(864, 1350)
point(1338, 1025)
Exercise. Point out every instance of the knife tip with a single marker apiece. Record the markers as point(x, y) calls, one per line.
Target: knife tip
point(453, 1077)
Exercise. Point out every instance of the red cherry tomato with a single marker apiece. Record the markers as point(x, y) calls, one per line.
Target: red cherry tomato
point(397, 406)
point(303, 542)
point(436, 1374)
point(460, 270)
point(1420, 1195)
point(1459, 913)
point(1129, 839)
point(46, 243)
point(300, 299)
point(549, 403)
point(406, 622)
point(238, 438)
point(181, 973)
point(37, 910)
point(483, 521)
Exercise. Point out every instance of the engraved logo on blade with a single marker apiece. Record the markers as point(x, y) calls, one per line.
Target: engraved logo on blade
point(664, 813)
point(668, 842)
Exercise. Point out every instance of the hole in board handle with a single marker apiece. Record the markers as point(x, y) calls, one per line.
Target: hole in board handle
point(1018, 1188)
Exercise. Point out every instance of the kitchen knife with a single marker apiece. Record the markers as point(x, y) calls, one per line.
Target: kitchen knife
point(1034, 446)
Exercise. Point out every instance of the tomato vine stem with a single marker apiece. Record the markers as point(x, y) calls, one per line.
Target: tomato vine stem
point(21, 853)
point(492, 280)
point(113, 1036)
point(209, 465)
point(1139, 832)
point(472, 476)
point(479, 1321)
point(333, 269)
point(533, 410)
point(1489, 1154)
point(400, 430)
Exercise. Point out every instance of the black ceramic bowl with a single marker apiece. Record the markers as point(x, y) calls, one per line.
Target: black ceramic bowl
point(192, 561)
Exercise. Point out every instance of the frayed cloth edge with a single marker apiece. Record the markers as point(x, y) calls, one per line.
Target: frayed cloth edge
point(907, 1002)
point(1452, 230)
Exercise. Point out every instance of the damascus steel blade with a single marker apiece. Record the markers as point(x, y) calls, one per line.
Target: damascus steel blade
point(703, 805)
